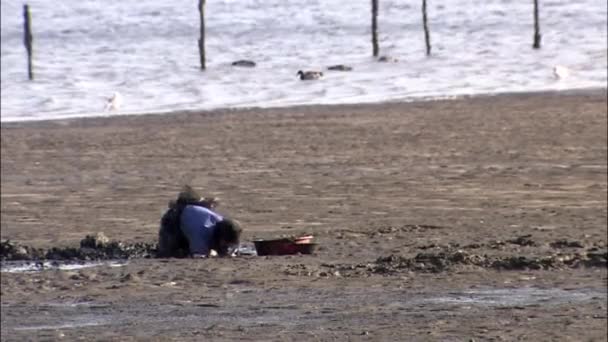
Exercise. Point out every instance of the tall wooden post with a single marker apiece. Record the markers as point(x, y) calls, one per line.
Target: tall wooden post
point(375, 27)
point(537, 35)
point(201, 41)
point(427, 36)
point(27, 39)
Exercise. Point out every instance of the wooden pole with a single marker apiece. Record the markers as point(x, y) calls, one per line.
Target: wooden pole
point(201, 41)
point(537, 34)
point(427, 36)
point(375, 27)
point(27, 39)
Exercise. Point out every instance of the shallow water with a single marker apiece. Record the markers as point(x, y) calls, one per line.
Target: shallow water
point(82, 321)
point(287, 309)
point(147, 51)
point(28, 266)
point(511, 297)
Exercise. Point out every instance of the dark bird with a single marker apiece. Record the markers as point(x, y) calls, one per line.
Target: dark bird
point(387, 59)
point(309, 75)
point(244, 63)
point(340, 67)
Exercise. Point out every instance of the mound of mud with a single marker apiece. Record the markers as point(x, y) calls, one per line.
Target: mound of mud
point(453, 259)
point(10, 251)
point(92, 247)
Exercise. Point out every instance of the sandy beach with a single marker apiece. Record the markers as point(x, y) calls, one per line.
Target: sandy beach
point(477, 182)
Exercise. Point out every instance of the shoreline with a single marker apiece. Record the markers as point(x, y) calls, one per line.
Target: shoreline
point(223, 110)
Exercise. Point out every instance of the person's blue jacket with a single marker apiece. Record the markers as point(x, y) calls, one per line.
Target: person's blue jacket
point(198, 225)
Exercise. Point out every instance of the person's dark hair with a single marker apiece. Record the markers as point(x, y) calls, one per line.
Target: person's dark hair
point(227, 233)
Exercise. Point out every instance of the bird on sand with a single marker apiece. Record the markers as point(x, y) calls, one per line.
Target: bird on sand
point(114, 103)
point(560, 72)
point(309, 75)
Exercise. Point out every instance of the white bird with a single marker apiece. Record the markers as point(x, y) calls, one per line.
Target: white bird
point(114, 102)
point(560, 72)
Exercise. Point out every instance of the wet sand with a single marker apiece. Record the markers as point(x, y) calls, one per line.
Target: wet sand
point(412, 205)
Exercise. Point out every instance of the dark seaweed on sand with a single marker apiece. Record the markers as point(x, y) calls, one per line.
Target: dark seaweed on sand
point(92, 247)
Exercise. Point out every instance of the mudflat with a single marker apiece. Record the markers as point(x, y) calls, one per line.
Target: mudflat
point(480, 218)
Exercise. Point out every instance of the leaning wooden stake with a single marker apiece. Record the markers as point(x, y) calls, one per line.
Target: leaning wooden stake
point(201, 41)
point(537, 35)
point(27, 39)
point(375, 27)
point(427, 36)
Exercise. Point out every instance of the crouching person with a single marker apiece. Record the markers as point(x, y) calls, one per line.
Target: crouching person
point(207, 231)
point(190, 227)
